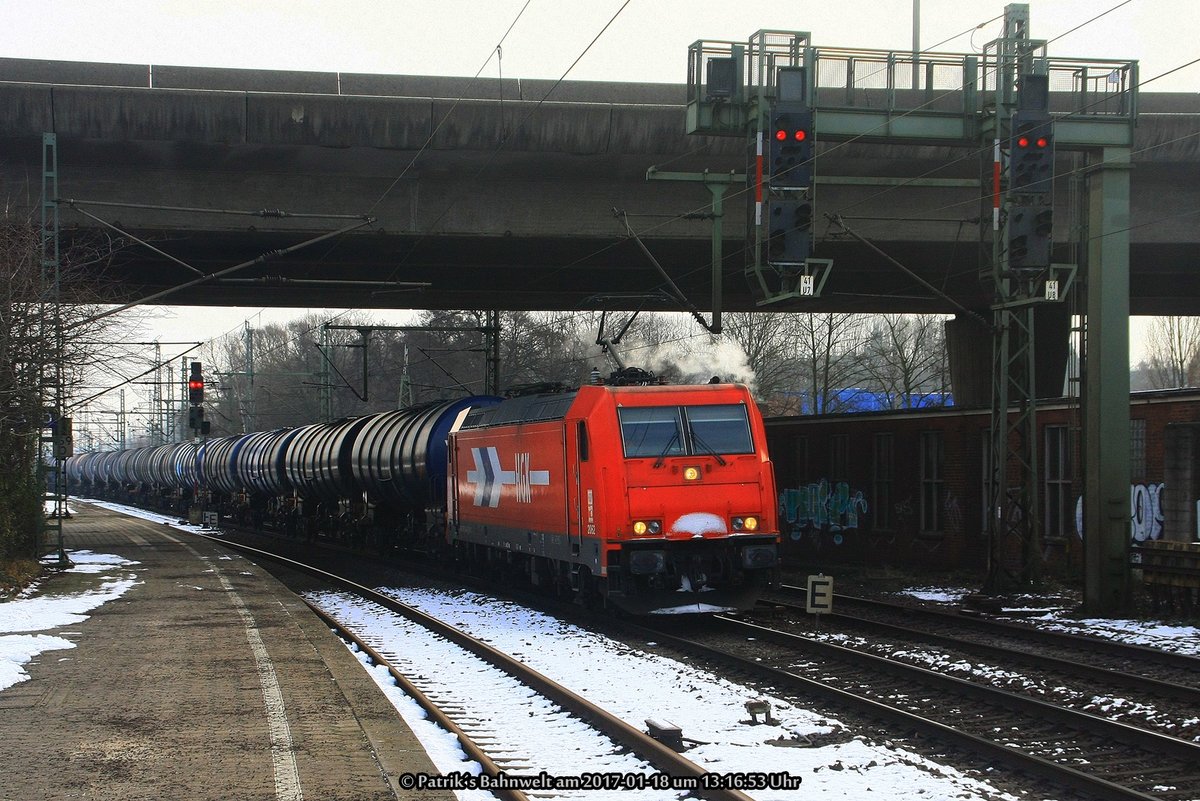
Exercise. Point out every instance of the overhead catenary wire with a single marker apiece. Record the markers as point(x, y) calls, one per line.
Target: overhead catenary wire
point(429, 140)
point(260, 259)
point(619, 242)
point(156, 367)
point(1082, 169)
point(432, 134)
point(496, 51)
point(504, 140)
point(272, 213)
point(971, 201)
point(744, 191)
point(971, 154)
point(975, 153)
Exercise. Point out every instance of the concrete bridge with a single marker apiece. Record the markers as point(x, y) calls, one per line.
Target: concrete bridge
point(487, 194)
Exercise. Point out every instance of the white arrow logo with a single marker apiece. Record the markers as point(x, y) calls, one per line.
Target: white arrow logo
point(488, 478)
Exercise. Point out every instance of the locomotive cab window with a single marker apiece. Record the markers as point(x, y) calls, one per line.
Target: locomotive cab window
point(719, 429)
point(659, 431)
point(651, 431)
point(581, 436)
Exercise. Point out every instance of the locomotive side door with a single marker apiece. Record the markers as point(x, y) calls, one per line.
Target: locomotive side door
point(577, 453)
point(451, 488)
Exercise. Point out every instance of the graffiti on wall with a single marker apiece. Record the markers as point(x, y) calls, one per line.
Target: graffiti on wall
point(1145, 512)
point(1146, 518)
point(833, 507)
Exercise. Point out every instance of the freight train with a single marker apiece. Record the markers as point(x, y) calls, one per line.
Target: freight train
point(651, 499)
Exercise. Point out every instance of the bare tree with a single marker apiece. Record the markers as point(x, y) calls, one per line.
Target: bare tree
point(546, 347)
point(904, 358)
point(1173, 348)
point(768, 340)
point(827, 347)
point(48, 336)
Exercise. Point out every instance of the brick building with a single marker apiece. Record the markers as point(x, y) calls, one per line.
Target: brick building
point(908, 487)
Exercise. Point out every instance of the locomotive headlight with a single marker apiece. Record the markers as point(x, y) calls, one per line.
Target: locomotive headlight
point(691, 474)
point(642, 527)
point(748, 523)
point(639, 527)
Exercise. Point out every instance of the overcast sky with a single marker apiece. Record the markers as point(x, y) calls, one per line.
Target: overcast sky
point(647, 41)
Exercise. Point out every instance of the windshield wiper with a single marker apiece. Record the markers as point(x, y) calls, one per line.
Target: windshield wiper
point(698, 440)
point(663, 456)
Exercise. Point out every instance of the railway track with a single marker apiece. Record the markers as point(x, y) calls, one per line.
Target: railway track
point(558, 730)
point(1151, 688)
point(1097, 651)
point(1059, 747)
point(1055, 749)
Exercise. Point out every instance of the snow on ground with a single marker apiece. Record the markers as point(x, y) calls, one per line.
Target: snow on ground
point(154, 517)
point(1149, 633)
point(1183, 639)
point(516, 720)
point(636, 685)
point(1154, 634)
point(442, 747)
point(25, 620)
point(706, 707)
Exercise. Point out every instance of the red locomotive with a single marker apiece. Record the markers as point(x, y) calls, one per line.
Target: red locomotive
point(660, 499)
point(654, 499)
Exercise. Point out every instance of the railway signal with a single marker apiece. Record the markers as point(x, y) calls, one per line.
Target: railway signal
point(1031, 153)
point(791, 149)
point(1030, 223)
point(789, 230)
point(196, 420)
point(789, 211)
point(1029, 231)
point(196, 385)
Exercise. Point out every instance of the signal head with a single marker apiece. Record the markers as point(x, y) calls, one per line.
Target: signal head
point(196, 385)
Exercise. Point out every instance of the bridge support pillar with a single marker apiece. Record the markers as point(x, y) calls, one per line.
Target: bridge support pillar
point(1106, 385)
point(1052, 324)
point(969, 349)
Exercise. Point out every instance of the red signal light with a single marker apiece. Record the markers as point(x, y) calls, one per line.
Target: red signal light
point(195, 385)
point(781, 134)
point(1041, 142)
point(800, 135)
point(1023, 141)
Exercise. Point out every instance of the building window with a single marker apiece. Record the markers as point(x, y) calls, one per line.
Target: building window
point(1137, 451)
point(1059, 508)
point(881, 491)
point(933, 489)
point(839, 457)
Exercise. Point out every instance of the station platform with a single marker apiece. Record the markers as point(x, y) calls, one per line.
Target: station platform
point(206, 679)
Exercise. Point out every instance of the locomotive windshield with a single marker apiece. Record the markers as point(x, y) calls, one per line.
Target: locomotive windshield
point(651, 431)
point(659, 431)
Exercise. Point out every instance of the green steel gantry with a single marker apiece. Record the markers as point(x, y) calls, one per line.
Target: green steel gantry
point(968, 101)
point(55, 440)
